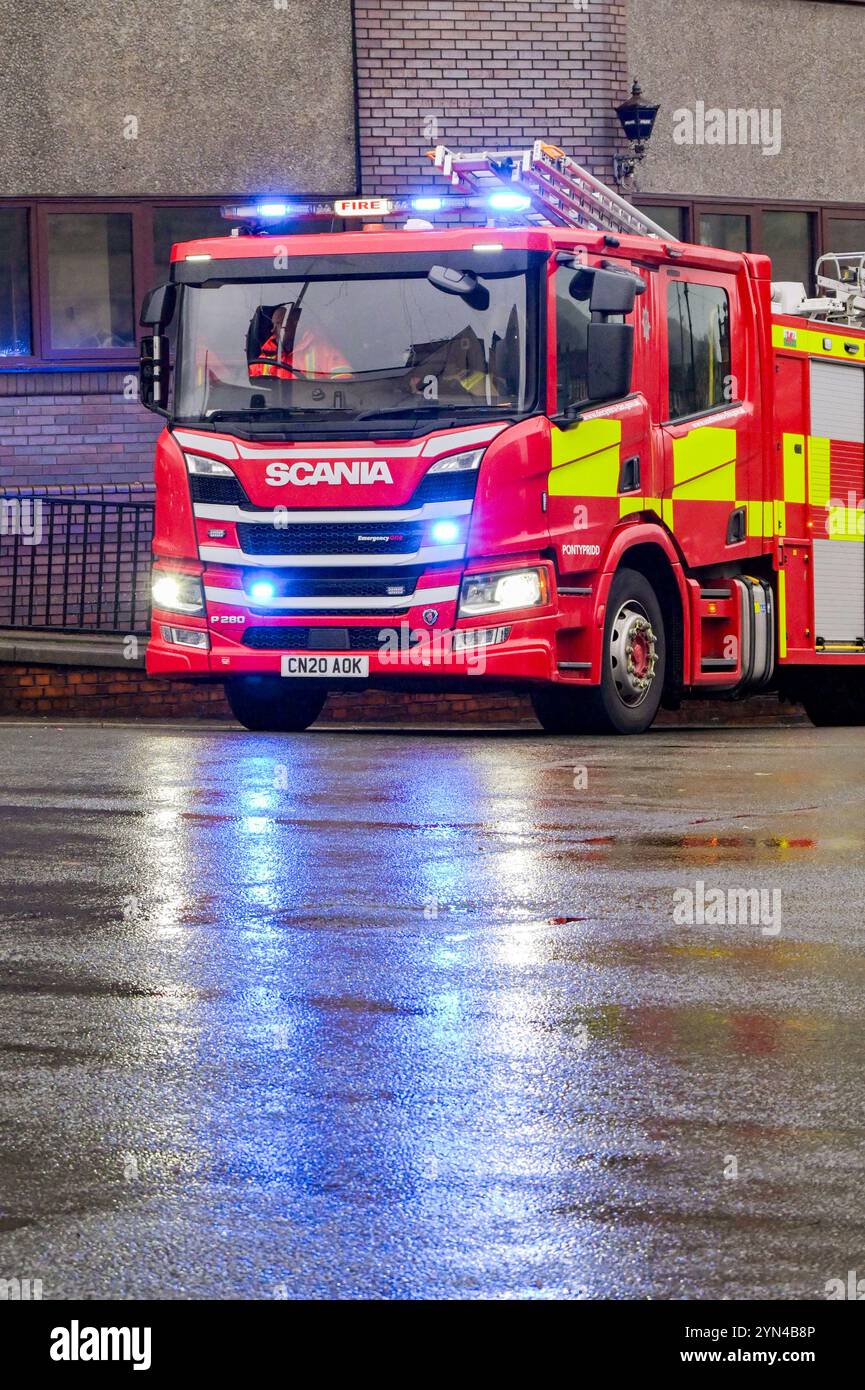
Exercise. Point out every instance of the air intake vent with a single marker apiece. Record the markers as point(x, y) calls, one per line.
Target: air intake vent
point(225, 491)
point(373, 538)
point(340, 639)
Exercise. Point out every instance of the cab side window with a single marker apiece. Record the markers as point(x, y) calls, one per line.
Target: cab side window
point(698, 336)
point(572, 342)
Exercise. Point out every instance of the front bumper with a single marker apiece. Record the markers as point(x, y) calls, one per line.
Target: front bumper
point(541, 645)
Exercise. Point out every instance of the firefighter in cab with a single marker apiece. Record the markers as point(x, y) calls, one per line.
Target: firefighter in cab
point(290, 351)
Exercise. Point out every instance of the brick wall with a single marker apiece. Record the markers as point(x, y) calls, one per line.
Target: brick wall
point(482, 73)
point(61, 692)
point(73, 427)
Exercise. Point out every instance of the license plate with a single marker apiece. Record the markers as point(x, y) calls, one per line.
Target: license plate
point(315, 665)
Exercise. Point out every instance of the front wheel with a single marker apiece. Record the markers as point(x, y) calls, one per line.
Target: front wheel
point(633, 668)
point(271, 704)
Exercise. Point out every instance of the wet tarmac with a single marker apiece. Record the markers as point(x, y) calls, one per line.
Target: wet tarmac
point(385, 1014)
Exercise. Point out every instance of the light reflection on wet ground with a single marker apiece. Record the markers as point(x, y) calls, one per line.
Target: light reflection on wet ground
point(352, 1014)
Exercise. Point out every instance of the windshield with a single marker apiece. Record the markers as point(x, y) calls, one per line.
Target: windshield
point(346, 339)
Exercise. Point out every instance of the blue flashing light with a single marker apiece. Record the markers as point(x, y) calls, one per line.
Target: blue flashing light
point(506, 201)
point(262, 590)
point(427, 204)
point(445, 532)
point(273, 209)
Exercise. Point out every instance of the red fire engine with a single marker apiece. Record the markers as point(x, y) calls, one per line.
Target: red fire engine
point(572, 456)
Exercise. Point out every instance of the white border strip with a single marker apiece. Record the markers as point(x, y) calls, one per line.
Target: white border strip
point(216, 511)
point(427, 555)
point(425, 447)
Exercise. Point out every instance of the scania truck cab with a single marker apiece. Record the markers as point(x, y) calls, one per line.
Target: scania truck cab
point(538, 458)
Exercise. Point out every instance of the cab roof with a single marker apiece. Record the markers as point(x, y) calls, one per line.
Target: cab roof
point(546, 240)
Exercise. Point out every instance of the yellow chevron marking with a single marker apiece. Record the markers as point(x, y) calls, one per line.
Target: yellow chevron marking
point(818, 471)
point(704, 465)
point(636, 503)
point(794, 468)
point(586, 459)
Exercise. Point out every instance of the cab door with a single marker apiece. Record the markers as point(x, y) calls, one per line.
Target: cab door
point(600, 461)
point(713, 487)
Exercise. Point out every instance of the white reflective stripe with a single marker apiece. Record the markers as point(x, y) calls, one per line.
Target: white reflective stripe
point(362, 449)
point(427, 555)
point(238, 599)
point(213, 511)
point(207, 443)
point(454, 443)
point(426, 447)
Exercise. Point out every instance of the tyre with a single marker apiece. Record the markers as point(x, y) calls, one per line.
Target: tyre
point(633, 668)
point(835, 699)
point(271, 704)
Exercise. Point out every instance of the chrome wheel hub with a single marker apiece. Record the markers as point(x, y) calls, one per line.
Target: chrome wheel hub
point(633, 652)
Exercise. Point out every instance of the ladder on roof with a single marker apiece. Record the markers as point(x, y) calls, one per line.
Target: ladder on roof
point(562, 192)
point(842, 276)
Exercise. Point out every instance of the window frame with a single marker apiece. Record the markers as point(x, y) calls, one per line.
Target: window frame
point(688, 275)
point(754, 209)
point(44, 210)
point(44, 357)
point(17, 360)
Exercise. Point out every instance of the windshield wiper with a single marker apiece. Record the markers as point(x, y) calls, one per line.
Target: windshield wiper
point(411, 410)
point(273, 413)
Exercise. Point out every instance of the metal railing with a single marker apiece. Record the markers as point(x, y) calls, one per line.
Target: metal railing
point(76, 558)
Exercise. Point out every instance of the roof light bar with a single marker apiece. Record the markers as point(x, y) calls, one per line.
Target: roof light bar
point(504, 200)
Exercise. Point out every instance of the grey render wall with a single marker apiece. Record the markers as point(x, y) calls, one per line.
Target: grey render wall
point(804, 57)
point(229, 95)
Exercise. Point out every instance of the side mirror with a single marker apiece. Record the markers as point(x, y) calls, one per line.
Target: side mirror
point(462, 282)
point(153, 373)
point(608, 291)
point(157, 311)
point(610, 360)
point(613, 293)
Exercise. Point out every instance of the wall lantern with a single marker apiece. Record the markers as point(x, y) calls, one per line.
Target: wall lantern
point(637, 119)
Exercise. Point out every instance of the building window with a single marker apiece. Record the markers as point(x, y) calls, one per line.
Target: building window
point(15, 326)
point(73, 273)
point(788, 237)
point(673, 220)
point(182, 224)
point(89, 263)
point(845, 234)
point(698, 342)
point(729, 230)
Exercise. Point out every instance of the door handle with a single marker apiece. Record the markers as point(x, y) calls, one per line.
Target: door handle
point(736, 527)
point(629, 475)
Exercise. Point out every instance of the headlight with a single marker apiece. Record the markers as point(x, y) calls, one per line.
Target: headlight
point(186, 637)
point(458, 463)
point(208, 468)
point(491, 593)
point(178, 593)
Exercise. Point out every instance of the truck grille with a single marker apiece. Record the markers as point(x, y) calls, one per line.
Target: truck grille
point(355, 583)
point(330, 538)
point(338, 639)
